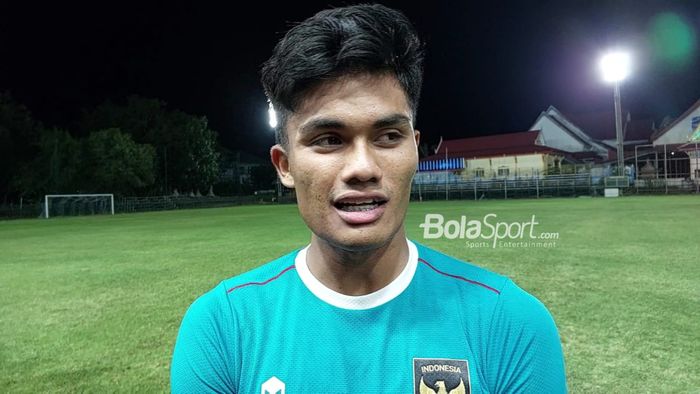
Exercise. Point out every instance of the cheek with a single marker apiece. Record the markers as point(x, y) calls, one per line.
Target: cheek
point(405, 168)
point(312, 186)
point(410, 169)
point(403, 179)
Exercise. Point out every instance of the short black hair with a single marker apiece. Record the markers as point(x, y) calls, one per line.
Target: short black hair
point(364, 38)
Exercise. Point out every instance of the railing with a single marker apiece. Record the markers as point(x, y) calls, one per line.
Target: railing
point(455, 189)
point(543, 186)
point(146, 204)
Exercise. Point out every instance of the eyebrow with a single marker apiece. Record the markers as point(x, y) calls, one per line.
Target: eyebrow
point(331, 123)
point(392, 120)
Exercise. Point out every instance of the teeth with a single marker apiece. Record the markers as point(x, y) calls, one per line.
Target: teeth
point(359, 202)
point(358, 207)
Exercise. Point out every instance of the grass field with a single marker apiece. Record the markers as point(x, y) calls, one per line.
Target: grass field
point(92, 304)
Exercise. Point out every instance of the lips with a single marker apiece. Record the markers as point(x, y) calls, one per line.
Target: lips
point(360, 208)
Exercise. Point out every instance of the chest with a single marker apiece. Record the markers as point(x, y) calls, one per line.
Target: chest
point(404, 348)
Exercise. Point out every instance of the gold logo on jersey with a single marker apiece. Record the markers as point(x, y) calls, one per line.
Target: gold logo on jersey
point(441, 376)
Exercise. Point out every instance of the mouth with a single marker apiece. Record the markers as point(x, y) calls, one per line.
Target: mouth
point(359, 206)
point(358, 209)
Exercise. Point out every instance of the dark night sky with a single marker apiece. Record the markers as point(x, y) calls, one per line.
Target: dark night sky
point(491, 68)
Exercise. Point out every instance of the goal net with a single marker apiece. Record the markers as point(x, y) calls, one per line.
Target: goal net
point(77, 204)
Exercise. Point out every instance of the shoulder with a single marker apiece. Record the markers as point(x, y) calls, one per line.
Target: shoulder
point(521, 311)
point(520, 338)
point(273, 271)
point(219, 297)
point(205, 356)
point(511, 304)
point(450, 269)
point(525, 344)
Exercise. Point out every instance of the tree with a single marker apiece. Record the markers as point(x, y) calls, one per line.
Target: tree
point(19, 139)
point(55, 167)
point(114, 163)
point(193, 160)
point(185, 148)
point(144, 119)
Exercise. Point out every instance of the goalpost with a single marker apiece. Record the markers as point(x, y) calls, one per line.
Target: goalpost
point(76, 204)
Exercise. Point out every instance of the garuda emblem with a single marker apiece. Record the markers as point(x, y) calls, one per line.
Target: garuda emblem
point(440, 376)
point(440, 388)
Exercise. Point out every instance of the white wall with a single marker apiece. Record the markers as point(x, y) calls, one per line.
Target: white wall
point(694, 163)
point(518, 166)
point(555, 137)
point(680, 132)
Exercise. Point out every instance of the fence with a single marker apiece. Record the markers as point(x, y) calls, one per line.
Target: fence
point(165, 203)
point(477, 189)
point(665, 186)
point(454, 189)
point(543, 186)
point(144, 204)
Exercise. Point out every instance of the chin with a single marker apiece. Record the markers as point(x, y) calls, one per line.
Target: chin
point(359, 240)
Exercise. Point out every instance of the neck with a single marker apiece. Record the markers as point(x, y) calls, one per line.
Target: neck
point(353, 272)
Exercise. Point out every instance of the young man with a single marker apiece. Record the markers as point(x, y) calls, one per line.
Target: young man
point(361, 308)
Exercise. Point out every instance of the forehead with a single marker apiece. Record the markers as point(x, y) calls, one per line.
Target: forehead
point(356, 99)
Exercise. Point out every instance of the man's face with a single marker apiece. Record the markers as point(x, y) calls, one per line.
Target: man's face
point(351, 156)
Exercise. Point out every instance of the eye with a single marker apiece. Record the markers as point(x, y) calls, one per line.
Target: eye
point(391, 137)
point(327, 141)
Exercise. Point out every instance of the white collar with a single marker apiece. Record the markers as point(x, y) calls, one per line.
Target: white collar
point(367, 301)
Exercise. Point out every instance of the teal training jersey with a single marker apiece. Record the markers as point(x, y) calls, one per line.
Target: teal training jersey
point(442, 326)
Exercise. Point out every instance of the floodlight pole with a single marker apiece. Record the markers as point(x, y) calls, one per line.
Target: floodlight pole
point(447, 185)
point(615, 67)
point(618, 131)
point(696, 172)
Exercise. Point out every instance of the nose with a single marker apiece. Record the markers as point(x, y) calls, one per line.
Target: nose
point(360, 165)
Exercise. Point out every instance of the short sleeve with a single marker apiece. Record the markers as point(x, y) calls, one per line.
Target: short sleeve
point(204, 355)
point(524, 346)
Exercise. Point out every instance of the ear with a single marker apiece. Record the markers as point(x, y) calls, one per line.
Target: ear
point(416, 135)
point(280, 159)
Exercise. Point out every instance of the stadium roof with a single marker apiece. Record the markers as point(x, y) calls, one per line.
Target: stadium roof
point(601, 126)
point(524, 142)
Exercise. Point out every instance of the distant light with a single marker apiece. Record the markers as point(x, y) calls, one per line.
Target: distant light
point(615, 66)
point(673, 39)
point(272, 115)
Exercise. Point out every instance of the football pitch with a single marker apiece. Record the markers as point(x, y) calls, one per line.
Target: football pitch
point(93, 304)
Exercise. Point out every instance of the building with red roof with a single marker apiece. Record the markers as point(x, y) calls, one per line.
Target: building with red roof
point(520, 154)
point(555, 138)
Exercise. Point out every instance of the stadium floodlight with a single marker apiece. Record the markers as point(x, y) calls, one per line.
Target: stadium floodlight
point(78, 204)
point(272, 115)
point(616, 67)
